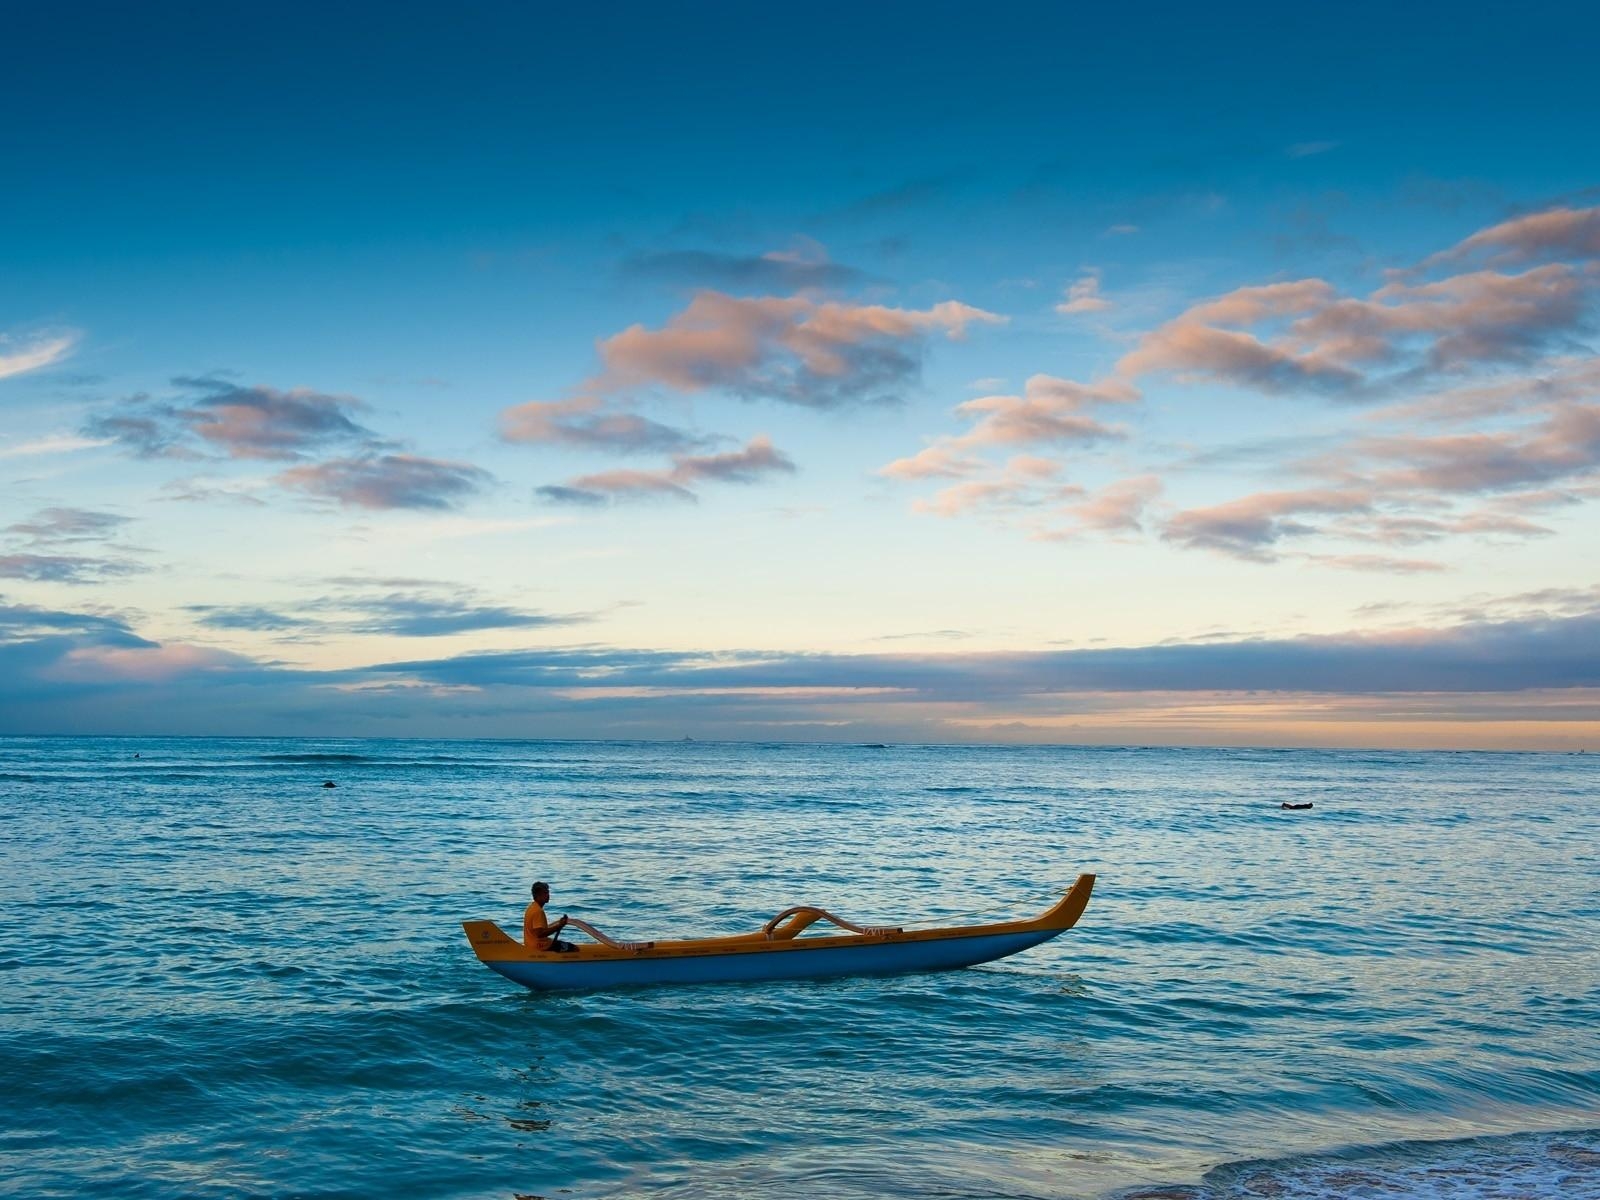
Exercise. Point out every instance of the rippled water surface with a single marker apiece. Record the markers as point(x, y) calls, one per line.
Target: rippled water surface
point(220, 978)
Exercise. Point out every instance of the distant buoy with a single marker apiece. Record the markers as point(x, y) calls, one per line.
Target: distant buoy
point(1286, 804)
point(330, 783)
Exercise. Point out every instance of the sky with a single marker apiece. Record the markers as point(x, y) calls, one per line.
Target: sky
point(1138, 374)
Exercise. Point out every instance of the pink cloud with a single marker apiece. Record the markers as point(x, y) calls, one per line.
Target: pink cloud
point(1116, 508)
point(1320, 340)
point(1050, 410)
point(1250, 526)
point(1024, 481)
point(1565, 443)
point(1250, 305)
point(585, 422)
point(1083, 296)
point(1199, 342)
point(1557, 381)
point(757, 459)
point(1378, 564)
point(1475, 317)
point(142, 664)
point(1413, 530)
point(238, 421)
point(265, 423)
point(932, 462)
point(794, 349)
point(1570, 232)
point(389, 481)
point(629, 483)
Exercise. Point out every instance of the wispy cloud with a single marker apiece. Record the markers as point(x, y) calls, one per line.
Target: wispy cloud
point(759, 458)
point(389, 481)
point(1563, 444)
point(222, 417)
point(938, 461)
point(1050, 412)
point(1381, 564)
point(1118, 508)
point(773, 271)
point(1322, 342)
point(24, 623)
point(246, 617)
point(141, 429)
point(1024, 481)
point(436, 612)
point(65, 568)
point(56, 443)
point(1251, 526)
point(1407, 488)
point(557, 493)
point(1083, 296)
point(47, 548)
point(68, 525)
point(1559, 232)
point(1203, 343)
point(794, 349)
point(20, 353)
point(413, 615)
point(584, 422)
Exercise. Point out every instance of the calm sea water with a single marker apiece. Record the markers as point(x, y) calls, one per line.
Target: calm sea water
point(219, 978)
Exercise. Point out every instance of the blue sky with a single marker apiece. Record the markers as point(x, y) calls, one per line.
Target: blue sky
point(1158, 374)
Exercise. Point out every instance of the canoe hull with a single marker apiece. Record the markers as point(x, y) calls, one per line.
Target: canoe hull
point(823, 962)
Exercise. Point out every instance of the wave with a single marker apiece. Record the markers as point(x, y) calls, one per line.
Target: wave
point(1529, 1166)
point(313, 758)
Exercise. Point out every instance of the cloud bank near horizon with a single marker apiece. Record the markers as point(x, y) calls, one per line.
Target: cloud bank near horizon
point(1537, 662)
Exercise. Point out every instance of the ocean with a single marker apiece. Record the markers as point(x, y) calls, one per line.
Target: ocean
point(220, 978)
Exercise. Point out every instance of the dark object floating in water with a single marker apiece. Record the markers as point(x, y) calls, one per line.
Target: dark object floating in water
point(873, 746)
point(330, 783)
point(1286, 804)
point(138, 755)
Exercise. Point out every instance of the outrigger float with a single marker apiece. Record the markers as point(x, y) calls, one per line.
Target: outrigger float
point(775, 951)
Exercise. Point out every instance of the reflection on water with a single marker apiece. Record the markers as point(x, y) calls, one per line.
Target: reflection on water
point(220, 977)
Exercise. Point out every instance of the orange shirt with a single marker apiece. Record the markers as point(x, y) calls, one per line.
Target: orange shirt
point(534, 918)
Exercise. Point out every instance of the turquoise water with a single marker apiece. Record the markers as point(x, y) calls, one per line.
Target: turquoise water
point(219, 978)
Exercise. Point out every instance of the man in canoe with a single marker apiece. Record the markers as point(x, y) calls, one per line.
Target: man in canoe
point(538, 931)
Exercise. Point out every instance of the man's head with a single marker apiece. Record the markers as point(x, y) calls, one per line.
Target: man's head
point(541, 892)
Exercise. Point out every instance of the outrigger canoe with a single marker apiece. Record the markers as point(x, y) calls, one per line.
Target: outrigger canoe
point(775, 951)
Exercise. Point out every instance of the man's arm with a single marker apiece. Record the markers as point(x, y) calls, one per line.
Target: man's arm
point(549, 930)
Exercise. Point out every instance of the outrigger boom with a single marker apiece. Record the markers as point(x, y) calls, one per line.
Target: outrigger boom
point(775, 951)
